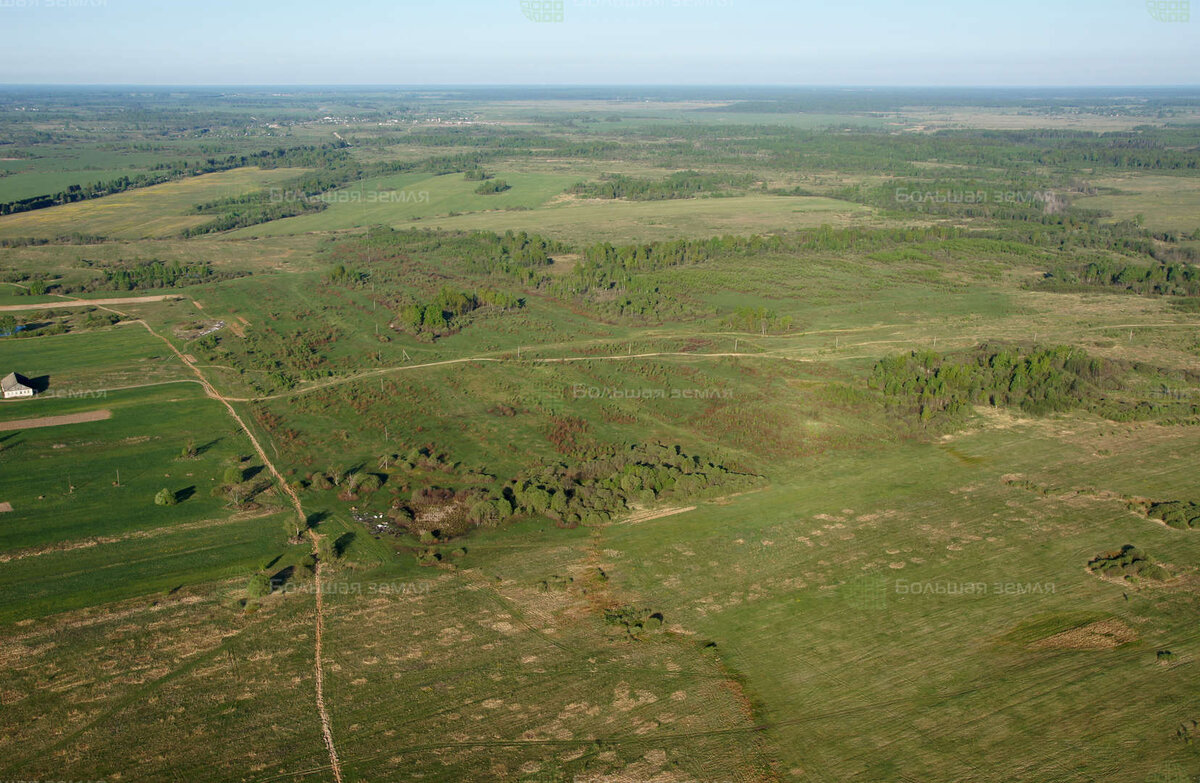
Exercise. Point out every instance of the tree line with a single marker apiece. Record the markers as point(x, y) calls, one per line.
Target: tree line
point(680, 184)
point(305, 156)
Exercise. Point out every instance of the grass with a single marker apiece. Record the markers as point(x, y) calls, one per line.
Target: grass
point(1167, 203)
point(498, 674)
point(536, 203)
point(793, 646)
point(420, 197)
point(61, 480)
point(157, 211)
point(641, 221)
point(839, 545)
point(86, 363)
point(163, 561)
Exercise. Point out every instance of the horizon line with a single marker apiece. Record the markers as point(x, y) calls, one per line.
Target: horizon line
point(586, 85)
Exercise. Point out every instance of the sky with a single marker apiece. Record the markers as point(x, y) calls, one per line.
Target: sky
point(703, 42)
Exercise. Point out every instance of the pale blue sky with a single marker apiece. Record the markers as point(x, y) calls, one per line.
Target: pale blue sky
point(847, 42)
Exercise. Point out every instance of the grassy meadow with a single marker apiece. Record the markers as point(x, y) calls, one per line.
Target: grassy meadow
point(148, 213)
point(779, 482)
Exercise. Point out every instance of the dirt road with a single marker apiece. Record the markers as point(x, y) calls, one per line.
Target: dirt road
point(55, 421)
point(85, 302)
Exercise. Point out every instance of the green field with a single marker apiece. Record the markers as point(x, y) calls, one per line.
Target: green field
point(1165, 203)
point(774, 478)
point(157, 211)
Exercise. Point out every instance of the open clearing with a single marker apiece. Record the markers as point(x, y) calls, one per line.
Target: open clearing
point(641, 221)
point(157, 211)
point(536, 204)
point(1166, 203)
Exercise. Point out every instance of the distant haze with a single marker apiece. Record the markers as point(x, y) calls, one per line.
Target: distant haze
point(852, 42)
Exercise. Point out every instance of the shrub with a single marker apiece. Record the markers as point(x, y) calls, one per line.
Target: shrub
point(1176, 513)
point(259, 585)
point(165, 497)
point(1130, 563)
point(489, 187)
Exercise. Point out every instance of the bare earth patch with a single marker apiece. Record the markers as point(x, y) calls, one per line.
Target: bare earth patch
point(55, 421)
point(5, 507)
point(646, 516)
point(89, 302)
point(1102, 635)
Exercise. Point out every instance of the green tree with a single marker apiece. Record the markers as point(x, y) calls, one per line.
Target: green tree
point(259, 585)
point(165, 497)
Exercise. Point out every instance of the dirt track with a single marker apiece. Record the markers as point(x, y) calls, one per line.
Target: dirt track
point(84, 302)
point(54, 421)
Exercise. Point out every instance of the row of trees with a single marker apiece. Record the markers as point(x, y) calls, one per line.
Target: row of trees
point(157, 274)
point(443, 315)
point(308, 156)
point(1161, 279)
point(1040, 381)
point(589, 490)
point(680, 184)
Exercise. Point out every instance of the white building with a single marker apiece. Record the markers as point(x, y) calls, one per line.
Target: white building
point(12, 387)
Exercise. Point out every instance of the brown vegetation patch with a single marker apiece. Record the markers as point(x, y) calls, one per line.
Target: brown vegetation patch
point(645, 515)
point(1101, 635)
point(55, 421)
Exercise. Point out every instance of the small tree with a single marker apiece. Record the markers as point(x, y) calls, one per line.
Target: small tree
point(259, 585)
point(165, 497)
point(233, 475)
point(235, 494)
